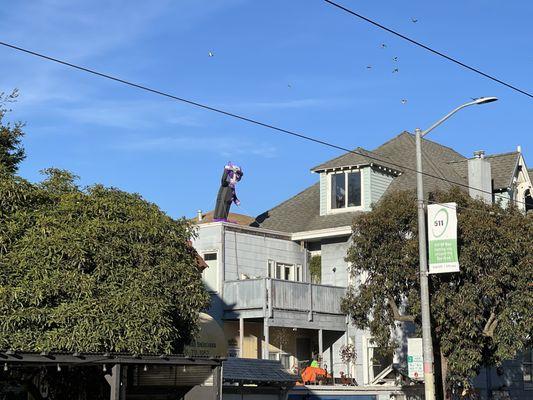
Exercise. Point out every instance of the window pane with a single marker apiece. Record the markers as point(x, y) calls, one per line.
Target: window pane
point(354, 189)
point(210, 274)
point(278, 271)
point(287, 275)
point(210, 256)
point(338, 191)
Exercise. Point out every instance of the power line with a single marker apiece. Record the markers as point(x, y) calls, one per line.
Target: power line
point(240, 117)
point(449, 58)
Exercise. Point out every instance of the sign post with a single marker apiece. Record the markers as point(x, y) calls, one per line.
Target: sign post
point(415, 359)
point(442, 237)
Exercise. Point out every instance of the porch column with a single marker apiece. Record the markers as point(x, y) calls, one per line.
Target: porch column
point(266, 349)
point(320, 343)
point(115, 382)
point(241, 337)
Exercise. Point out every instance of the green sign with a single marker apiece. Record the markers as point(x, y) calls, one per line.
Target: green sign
point(442, 237)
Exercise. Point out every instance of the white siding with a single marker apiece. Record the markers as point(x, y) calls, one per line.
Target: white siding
point(323, 194)
point(249, 254)
point(379, 182)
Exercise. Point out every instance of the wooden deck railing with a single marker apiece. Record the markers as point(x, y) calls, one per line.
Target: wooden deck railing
point(270, 294)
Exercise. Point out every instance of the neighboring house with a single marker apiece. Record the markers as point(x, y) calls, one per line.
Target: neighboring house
point(260, 276)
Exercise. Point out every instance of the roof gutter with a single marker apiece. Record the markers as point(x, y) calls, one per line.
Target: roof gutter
point(322, 233)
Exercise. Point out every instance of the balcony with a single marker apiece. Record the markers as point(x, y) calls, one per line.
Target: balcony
point(285, 303)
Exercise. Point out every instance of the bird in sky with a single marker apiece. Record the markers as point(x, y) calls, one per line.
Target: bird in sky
point(289, 85)
point(369, 67)
point(395, 59)
point(211, 54)
point(395, 70)
point(404, 101)
point(414, 20)
point(383, 45)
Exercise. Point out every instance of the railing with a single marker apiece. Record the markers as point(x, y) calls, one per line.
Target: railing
point(245, 294)
point(270, 294)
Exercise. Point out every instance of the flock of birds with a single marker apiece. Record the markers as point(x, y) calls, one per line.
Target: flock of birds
point(383, 46)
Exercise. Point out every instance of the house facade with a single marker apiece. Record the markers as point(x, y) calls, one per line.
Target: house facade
point(259, 275)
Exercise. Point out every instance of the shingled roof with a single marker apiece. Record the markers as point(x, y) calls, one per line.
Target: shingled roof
point(256, 371)
point(357, 158)
point(443, 168)
point(503, 168)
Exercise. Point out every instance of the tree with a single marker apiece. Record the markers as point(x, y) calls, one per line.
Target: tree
point(11, 151)
point(480, 315)
point(93, 269)
point(315, 268)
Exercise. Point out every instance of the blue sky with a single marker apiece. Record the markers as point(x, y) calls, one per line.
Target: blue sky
point(298, 64)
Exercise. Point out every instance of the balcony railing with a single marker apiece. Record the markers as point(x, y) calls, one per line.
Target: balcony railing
point(270, 294)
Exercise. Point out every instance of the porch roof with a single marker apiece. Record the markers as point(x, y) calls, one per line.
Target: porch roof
point(259, 372)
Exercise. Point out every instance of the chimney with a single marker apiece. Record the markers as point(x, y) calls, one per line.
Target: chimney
point(199, 215)
point(480, 177)
point(519, 149)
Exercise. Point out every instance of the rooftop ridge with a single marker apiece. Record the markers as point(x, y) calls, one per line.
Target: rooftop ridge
point(286, 201)
point(489, 156)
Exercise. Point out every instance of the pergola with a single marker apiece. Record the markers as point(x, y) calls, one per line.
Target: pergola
point(129, 375)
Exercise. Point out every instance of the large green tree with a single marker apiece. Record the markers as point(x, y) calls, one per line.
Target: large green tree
point(93, 269)
point(11, 150)
point(480, 315)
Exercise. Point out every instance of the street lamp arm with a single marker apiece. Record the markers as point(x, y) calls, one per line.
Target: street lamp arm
point(480, 100)
point(440, 121)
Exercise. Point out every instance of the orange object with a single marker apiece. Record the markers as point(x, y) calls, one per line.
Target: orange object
point(313, 374)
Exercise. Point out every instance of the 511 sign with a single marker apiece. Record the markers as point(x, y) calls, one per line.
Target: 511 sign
point(442, 235)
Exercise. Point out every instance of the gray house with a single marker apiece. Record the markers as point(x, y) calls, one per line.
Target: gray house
point(260, 278)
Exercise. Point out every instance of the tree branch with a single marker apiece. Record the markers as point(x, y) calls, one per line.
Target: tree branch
point(490, 326)
point(396, 312)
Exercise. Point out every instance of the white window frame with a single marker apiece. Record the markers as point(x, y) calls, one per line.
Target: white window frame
point(273, 266)
point(217, 289)
point(329, 175)
point(367, 365)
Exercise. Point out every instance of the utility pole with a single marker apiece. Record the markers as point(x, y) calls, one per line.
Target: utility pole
point(427, 344)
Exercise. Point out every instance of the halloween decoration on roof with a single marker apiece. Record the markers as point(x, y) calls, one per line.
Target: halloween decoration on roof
point(226, 194)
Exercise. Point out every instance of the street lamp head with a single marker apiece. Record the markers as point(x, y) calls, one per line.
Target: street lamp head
point(484, 100)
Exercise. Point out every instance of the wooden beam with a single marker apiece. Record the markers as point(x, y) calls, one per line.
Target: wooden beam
point(241, 337)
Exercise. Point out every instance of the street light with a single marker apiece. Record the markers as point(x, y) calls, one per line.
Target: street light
point(429, 376)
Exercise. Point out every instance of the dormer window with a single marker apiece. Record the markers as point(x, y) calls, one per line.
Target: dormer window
point(344, 190)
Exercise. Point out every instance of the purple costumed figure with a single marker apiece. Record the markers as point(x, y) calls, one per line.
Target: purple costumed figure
point(226, 194)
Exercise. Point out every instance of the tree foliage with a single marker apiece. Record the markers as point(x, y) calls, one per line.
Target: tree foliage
point(11, 150)
point(315, 268)
point(93, 269)
point(481, 315)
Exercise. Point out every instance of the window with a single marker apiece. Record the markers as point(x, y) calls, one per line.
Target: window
point(375, 360)
point(345, 190)
point(527, 367)
point(284, 271)
point(210, 274)
point(298, 270)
